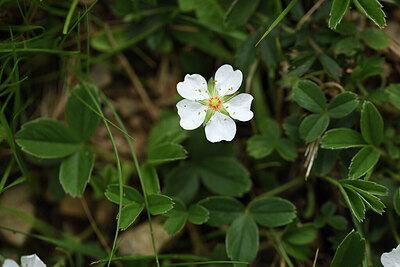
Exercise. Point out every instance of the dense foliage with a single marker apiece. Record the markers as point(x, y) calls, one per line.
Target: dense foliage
point(96, 167)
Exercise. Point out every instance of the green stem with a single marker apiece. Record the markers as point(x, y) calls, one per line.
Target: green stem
point(282, 188)
point(280, 248)
point(146, 202)
point(69, 16)
point(392, 224)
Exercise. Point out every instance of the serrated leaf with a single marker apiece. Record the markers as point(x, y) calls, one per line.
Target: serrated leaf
point(339, 8)
point(309, 96)
point(286, 149)
point(76, 170)
point(159, 204)
point(368, 186)
point(175, 223)
point(375, 38)
point(355, 204)
point(371, 124)
point(47, 138)
point(313, 126)
point(330, 66)
point(301, 64)
point(129, 213)
point(340, 138)
point(373, 10)
point(150, 179)
point(223, 210)
point(350, 252)
point(342, 105)
point(225, 176)
point(82, 120)
point(165, 153)
point(363, 161)
point(129, 195)
point(372, 201)
point(198, 214)
point(242, 239)
point(260, 146)
point(272, 211)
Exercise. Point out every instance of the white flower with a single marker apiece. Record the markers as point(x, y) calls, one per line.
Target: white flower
point(26, 261)
point(214, 104)
point(391, 259)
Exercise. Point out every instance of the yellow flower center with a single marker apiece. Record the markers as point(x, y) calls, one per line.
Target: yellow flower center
point(214, 102)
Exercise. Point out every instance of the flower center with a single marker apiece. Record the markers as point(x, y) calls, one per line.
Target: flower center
point(214, 103)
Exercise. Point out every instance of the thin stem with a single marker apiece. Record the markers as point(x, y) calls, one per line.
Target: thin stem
point(293, 183)
point(146, 202)
point(393, 225)
point(94, 225)
point(280, 248)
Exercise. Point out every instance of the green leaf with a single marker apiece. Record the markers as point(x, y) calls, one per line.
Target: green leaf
point(287, 149)
point(225, 176)
point(207, 10)
point(182, 182)
point(342, 105)
point(309, 96)
point(198, 214)
point(167, 130)
point(159, 204)
point(372, 201)
point(301, 64)
point(150, 179)
point(371, 124)
point(272, 211)
point(373, 10)
point(363, 161)
point(313, 126)
point(348, 46)
point(223, 210)
point(269, 128)
point(342, 138)
point(242, 239)
point(260, 146)
point(80, 118)
point(355, 204)
point(239, 12)
point(129, 213)
point(177, 218)
point(350, 252)
point(367, 186)
point(330, 66)
point(301, 235)
point(396, 201)
point(175, 223)
point(129, 195)
point(339, 8)
point(394, 94)
point(367, 67)
point(338, 222)
point(75, 171)
point(47, 138)
point(165, 153)
point(375, 38)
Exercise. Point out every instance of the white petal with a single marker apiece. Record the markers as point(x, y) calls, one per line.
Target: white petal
point(192, 114)
point(220, 127)
point(10, 263)
point(32, 261)
point(239, 107)
point(228, 81)
point(194, 87)
point(391, 259)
